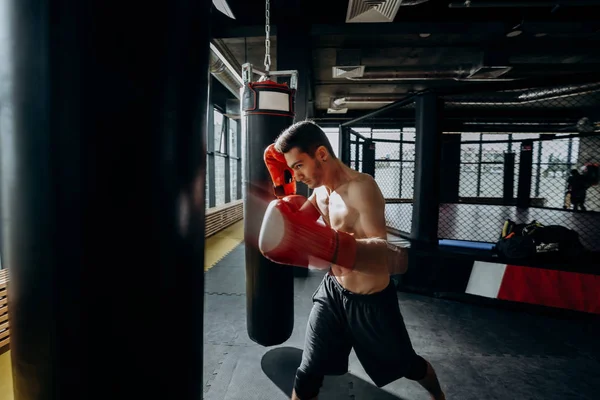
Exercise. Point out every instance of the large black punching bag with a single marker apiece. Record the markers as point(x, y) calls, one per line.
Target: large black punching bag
point(267, 110)
point(103, 125)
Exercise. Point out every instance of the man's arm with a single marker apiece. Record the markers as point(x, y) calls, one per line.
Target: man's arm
point(371, 252)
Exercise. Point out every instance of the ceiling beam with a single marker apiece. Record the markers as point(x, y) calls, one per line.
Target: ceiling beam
point(454, 127)
point(546, 45)
point(516, 4)
point(406, 28)
point(466, 113)
point(224, 27)
point(433, 27)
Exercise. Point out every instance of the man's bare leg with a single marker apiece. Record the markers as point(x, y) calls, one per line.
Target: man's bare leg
point(431, 384)
point(295, 397)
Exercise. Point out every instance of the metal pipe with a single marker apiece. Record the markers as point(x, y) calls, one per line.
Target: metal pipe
point(363, 99)
point(352, 131)
point(537, 82)
point(521, 4)
point(224, 71)
point(441, 73)
point(402, 102)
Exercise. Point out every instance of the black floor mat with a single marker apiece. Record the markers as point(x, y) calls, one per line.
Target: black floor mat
point(478, 352)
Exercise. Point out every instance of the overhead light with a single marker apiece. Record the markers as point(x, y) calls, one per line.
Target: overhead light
point(424, 35)
point(337, 110)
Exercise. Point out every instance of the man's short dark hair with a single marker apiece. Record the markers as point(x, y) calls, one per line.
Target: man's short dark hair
point(305, 135)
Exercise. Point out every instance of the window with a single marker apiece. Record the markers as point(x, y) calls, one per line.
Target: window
point(223, 164)
point(219, 131)
point(234, 160)
point(219, 180)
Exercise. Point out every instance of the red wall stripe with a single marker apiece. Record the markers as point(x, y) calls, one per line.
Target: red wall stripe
point(570, 290)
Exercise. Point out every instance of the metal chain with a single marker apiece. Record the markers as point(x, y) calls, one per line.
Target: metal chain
point(267, 37)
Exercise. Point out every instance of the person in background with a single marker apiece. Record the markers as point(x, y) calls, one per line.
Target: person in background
point(577, 187)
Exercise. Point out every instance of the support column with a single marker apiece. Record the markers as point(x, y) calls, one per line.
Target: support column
point(427, 161)
point(294, 53)
point(450, 169)
point(368, 157)
point(210, 147)
point(525, 168)
point(508, 186)
point(344, 145)
point(103, 173)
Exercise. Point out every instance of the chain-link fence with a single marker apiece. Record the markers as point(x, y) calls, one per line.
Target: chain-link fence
point(357, 141)
point(394, 169)
point(524, 155)
point(509, 154)
point(395, 174)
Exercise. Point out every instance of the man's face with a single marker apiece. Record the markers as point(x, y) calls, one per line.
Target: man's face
point(306, 168)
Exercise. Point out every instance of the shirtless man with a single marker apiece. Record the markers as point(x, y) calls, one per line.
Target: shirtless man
point(356, 305)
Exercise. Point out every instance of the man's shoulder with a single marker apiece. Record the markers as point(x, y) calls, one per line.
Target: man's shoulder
point(362, 181)
point(364, 188)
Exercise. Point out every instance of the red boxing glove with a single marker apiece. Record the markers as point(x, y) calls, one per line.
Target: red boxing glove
point(281, 175)
point(296, 202)
point(289, 237)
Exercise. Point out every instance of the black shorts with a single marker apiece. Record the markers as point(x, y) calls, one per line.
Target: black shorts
point(371, 324)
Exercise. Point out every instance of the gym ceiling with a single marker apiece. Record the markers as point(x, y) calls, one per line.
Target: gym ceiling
point(360, 55)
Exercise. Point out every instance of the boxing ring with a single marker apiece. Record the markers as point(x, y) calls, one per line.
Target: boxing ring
point(456, 221)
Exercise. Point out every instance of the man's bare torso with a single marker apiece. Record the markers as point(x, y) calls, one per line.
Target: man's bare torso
point(339, 212)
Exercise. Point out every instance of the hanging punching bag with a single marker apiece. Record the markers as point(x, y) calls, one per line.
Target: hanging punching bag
point(267, 110)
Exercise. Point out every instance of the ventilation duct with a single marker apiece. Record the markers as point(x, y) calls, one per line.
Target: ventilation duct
point(500, 99)
point(224, 71)
point(364, 11)
point(491, 65)
point(343, 110)
point(350, 71)
point(343, 101)
point(412, 2)
point(348, 64)
point(417, 73)
point(457, 73)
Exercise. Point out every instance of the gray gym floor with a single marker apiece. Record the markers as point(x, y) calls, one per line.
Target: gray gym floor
point(479, 352)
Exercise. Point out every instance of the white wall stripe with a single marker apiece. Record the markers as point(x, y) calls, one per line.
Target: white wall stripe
point(485, 279)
